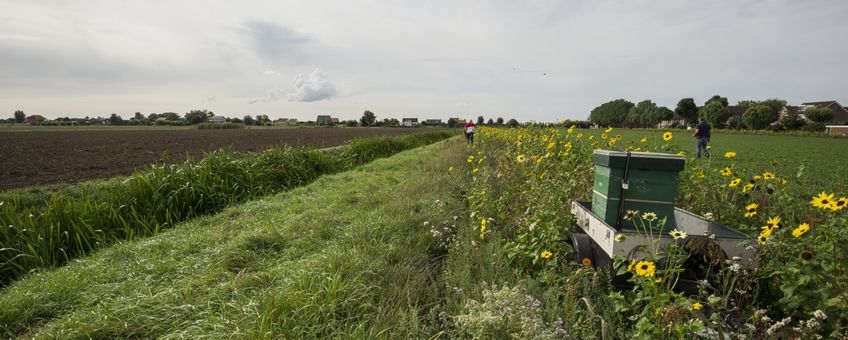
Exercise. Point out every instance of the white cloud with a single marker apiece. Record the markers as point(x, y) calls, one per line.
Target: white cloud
point(312, 87)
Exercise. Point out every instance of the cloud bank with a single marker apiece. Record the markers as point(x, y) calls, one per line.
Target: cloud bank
point(312, 87)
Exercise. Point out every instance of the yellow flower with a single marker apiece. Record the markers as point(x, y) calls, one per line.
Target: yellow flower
point(839, 204)
point(762, 239)
point(751, 209)
point(450, 169)
point(645, 269)
point(631, 266)
point(730, 154)
point(546, 254)
point(774, 222)
point(768, 176)
point(649, 216)
point(579, 135)
point(631, 214)
point(747, 187)
point(681, 153)
point(644, 140)
point(586, 261)
point(608, 129)
point(521, 158)
point(697, 306)
point(766, 231)
point(757, 177)
point(726, 172)
point(604, 136)
point(801, 230)
point(823, 200)
point(735, 182)
point(677, 234)
point(619, 238)
point(476, 170)
point(667, 136)
point(591, 137)
point(470, 159)
point(482, 228)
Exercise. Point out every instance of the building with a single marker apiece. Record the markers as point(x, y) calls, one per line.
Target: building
point(218, 119)
point(286, 121)
point(841, 130)
point(432, 122)
point(840, 114)
point(35, 119)
point(409, 122)
point(324, 120)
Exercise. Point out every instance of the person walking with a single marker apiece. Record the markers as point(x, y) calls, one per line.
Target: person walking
point(469, 131)
point(702, 138)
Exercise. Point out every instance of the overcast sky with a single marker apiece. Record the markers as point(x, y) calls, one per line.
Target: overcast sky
point(530, 60)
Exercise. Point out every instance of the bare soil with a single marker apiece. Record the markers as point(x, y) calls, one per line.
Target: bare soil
point(46, 157)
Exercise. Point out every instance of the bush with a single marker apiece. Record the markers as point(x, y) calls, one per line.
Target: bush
point(204, 126)
point(814, 127)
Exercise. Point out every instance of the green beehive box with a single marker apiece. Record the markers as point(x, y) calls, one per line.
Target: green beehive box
point(652, 185)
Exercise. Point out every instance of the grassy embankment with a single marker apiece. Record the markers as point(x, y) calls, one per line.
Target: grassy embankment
point(348, 255)
point(46, 228)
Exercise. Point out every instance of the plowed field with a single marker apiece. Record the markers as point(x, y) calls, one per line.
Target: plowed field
point(45, 157)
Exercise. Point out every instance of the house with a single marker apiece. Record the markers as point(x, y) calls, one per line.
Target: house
point(736, 112)
point(286, 121)
point(35, 119)
point(409, 122)
point(334, 120)
point(840, 113)
point(324, 120)
point(432, 122)
point(456, 122)
point(673, 122)
point(218, 119)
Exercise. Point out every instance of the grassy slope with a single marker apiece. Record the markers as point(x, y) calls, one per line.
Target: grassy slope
point(346, 255)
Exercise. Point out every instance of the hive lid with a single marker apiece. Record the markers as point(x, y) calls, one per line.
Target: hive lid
point(639, 160)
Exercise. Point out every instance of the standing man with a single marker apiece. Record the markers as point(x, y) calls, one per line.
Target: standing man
point(469, 131)
point(702, 137)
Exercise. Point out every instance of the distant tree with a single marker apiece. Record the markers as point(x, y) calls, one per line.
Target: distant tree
point(198, 116)
point(115, 119)
point(262, 120)
point(646, 114)
point(612, 113)
point(791, 121)
point(368, 118)
point(480, 120)
point(490, 122)
point(715, 113)
point(236, 121)
point(512, 122)
point(152, 117)
point(248, 120)
point(351, 123)
point(20, 116)
point(500, 121)
point(819, 115)
point(687, 109)
point(452, 123)
point(720, 99)
point(759, 116)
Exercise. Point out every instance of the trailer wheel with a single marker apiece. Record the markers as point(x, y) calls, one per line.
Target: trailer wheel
point(582, 245)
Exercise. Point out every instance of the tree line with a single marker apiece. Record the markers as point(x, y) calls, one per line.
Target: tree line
point(762, 114)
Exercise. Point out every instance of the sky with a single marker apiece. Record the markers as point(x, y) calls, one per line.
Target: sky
point(531, 60)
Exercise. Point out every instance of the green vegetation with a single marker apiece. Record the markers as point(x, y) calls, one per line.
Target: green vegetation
point(69, 223)
point(219, 126)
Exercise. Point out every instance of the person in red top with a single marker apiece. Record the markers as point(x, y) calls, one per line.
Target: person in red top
point(469, 131)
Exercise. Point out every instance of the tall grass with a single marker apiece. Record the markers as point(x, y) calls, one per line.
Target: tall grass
point(67, 224)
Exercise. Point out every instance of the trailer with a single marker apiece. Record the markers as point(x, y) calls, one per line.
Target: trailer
point(646, 182)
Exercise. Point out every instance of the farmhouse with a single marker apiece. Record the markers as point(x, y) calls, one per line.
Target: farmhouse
point(840, 114)
point(218, 119)
point(432, 122)
point(35, 119)
point(324, 120)
point(409, 122)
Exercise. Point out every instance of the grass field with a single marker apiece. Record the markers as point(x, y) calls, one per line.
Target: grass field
point(451, 241)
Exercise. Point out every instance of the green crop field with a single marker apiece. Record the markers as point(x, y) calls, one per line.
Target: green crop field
point(453, 240)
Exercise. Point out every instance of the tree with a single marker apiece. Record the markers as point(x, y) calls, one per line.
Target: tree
point(480, 120)
point(612, 113)
point(687, 109)
point(262, 120)
point(715, 113)
point(759, 116)
point(720, 99)
point(248, 120)
point(351, 123)
point(368, 118)
point(198, 116)
point(20, 116)
point(791, 121)
point(500, 121)
point(819, 115)
point(490, 122)
point(512, 122)
point(115, 119)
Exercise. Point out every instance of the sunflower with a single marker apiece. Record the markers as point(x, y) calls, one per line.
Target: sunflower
point(604, 136)
point(726, 172)
point(608, 129)
point(645, 269)
point(521, 158)
point(677, 234)
point(823, 200)
point(482, 228)
point(751, 209)
point(450, 169)
point(649, 216)
point(766, 231)
point(762, 239)
point(631, 214)
point(476, 170)
point(734, 183)
point(839, 204)
point(747, 187)
point(730, 154)
point(643, 140)
point(768, 176)
point(470, 159)
point(774, 222)
point(619, 238)
point(546, 254)
point(697, 306)
point(631, 266)
point(667, 136)
point(801, 230)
